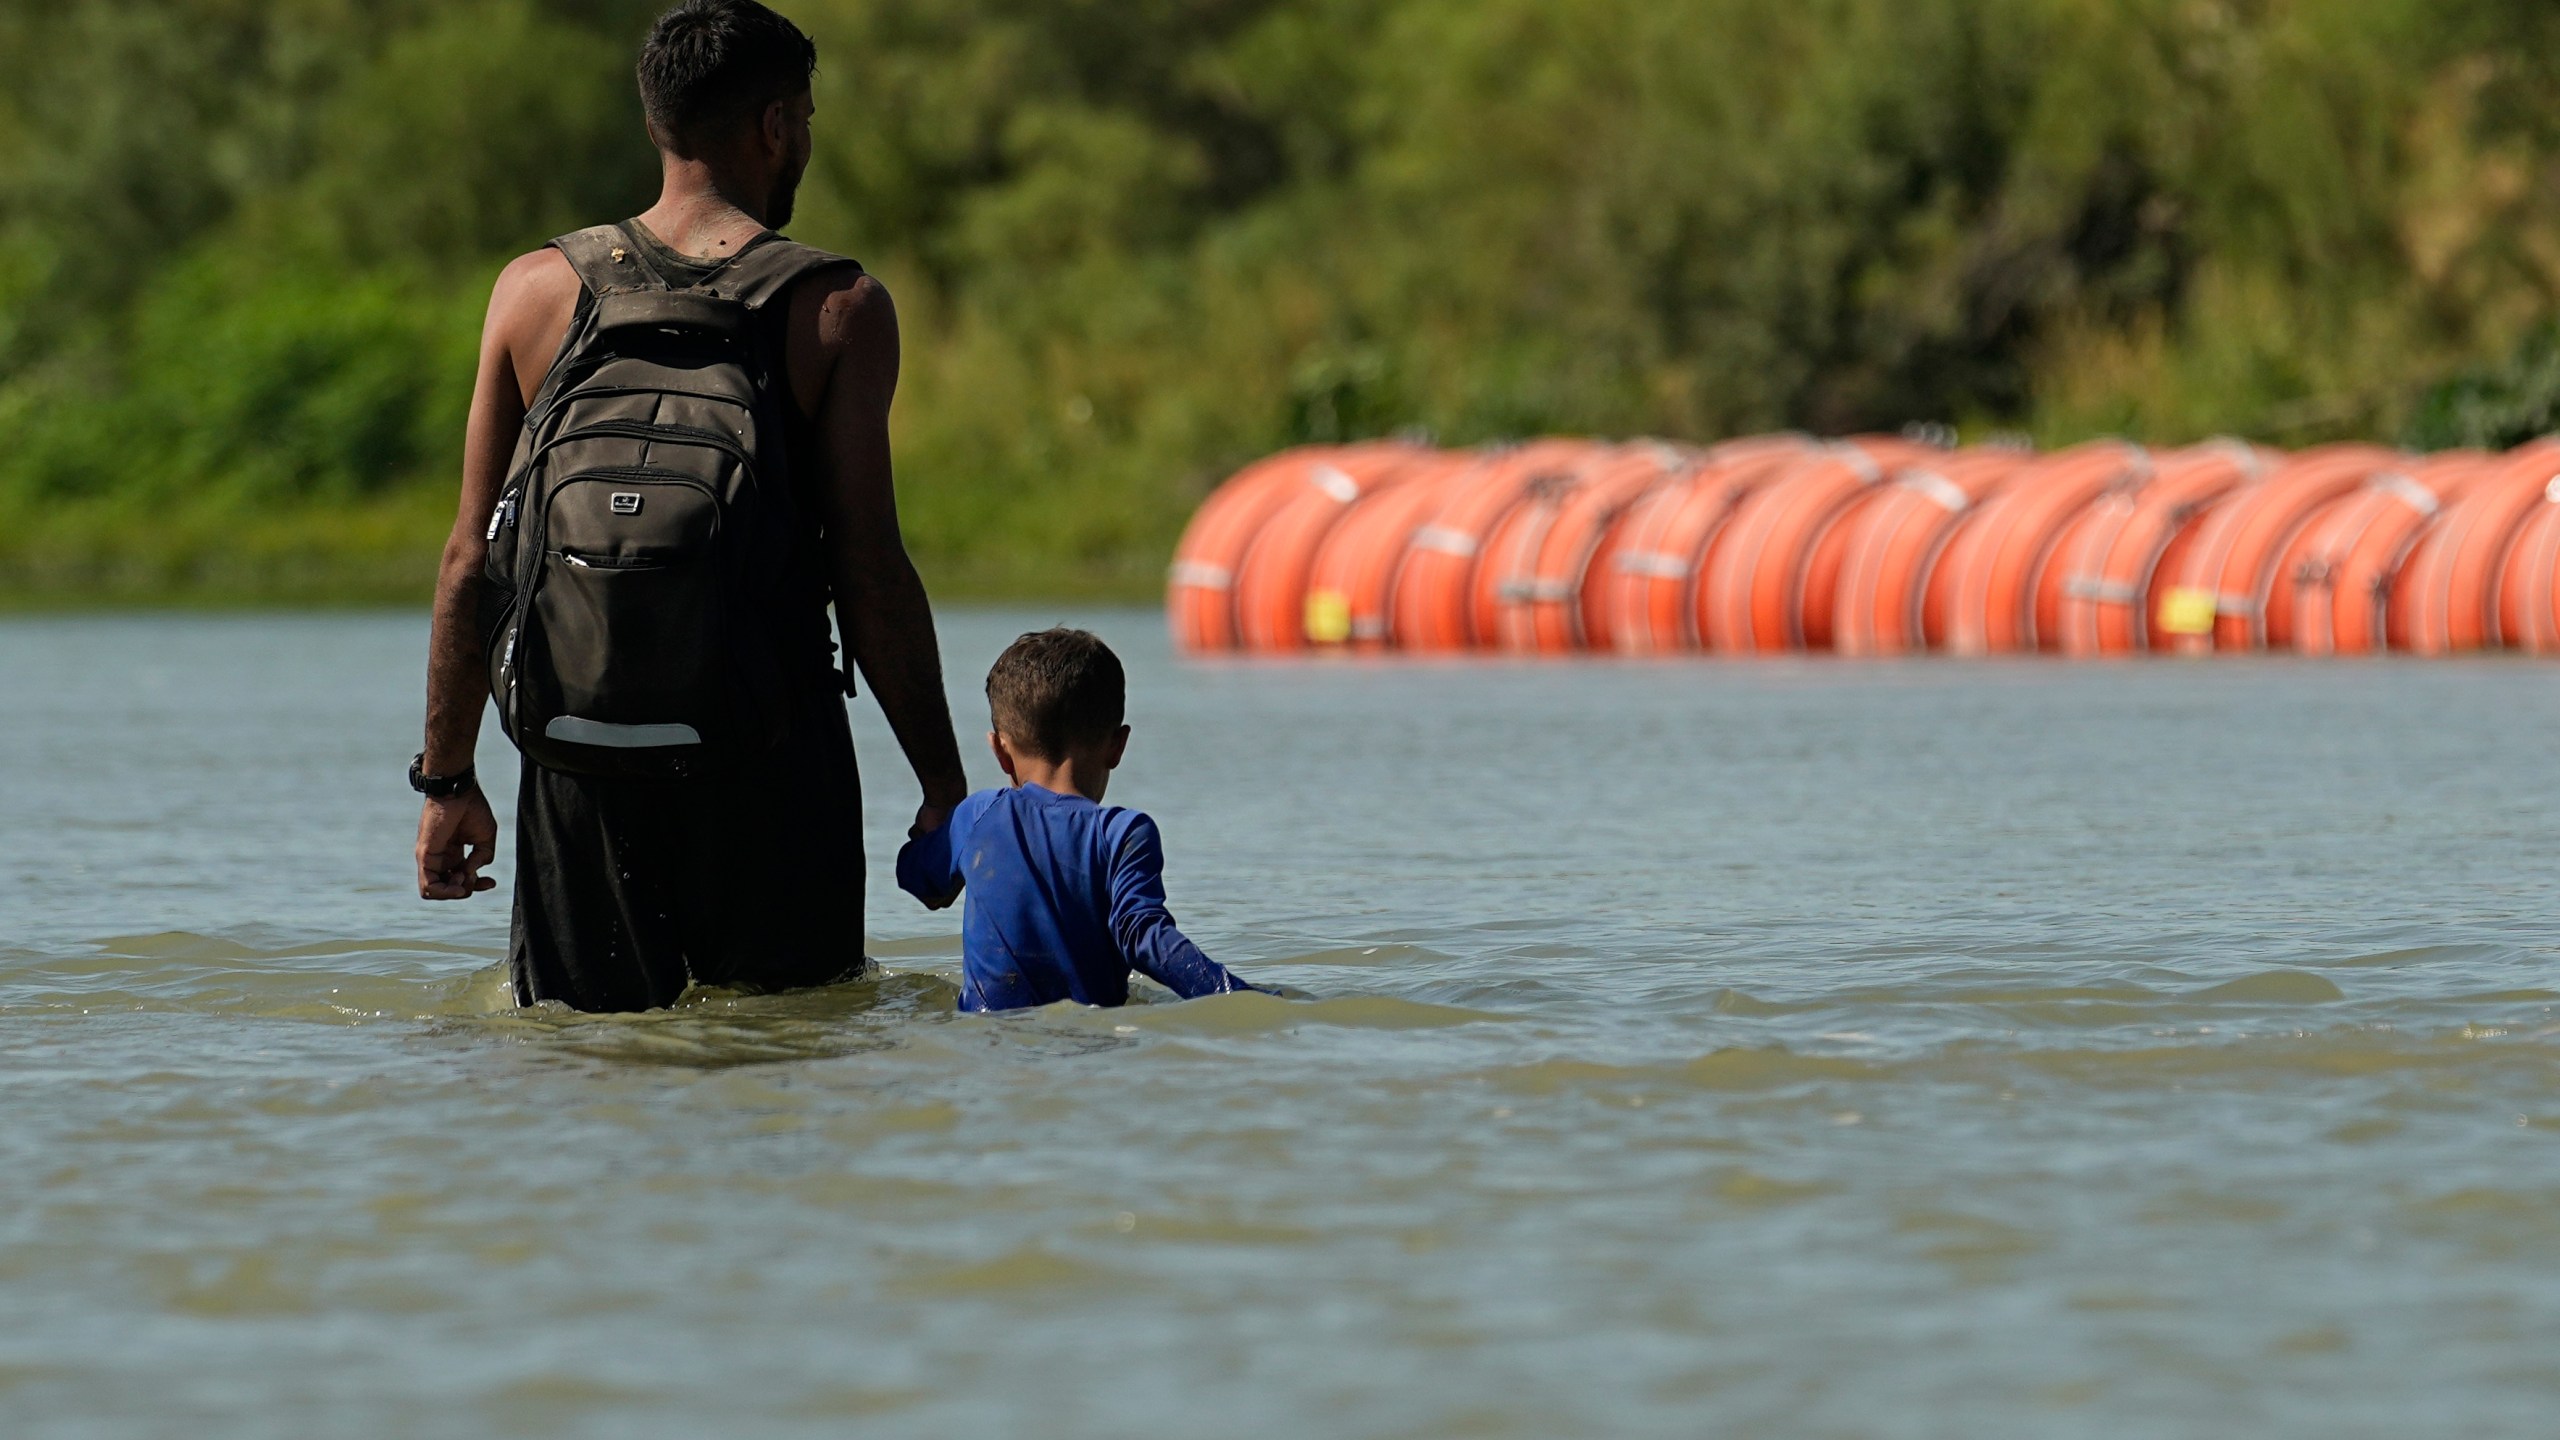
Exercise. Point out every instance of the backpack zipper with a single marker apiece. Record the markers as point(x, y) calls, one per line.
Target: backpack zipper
point(542, 417)
point(646, 430)
point(728, 445)
point(639, 472)
point(611, 562)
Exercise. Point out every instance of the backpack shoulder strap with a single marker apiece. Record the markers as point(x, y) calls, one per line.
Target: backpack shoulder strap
point(605, 261)
point(766, 272)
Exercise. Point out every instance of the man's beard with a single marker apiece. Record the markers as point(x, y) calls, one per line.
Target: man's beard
point(777, 206)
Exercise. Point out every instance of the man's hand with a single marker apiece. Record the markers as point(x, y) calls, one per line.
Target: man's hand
point(456, 838)
point(929, 818)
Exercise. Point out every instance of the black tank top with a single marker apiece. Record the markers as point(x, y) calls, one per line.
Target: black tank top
point(679, 271)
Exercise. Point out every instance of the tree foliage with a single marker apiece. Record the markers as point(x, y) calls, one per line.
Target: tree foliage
point(1139, 241)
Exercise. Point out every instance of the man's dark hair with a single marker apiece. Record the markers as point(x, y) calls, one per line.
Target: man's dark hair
point(713, 64)
point(1055, 690)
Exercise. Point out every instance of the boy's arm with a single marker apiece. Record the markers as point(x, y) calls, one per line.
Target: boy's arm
point(1144, 928)
point(929, 863)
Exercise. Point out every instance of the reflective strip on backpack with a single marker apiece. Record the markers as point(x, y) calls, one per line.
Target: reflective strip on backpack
point(578, 731)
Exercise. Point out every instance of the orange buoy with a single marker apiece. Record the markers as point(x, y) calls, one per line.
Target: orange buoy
point(1200, 586)
point(1431, 605)
point(1889, 547)
point(2217, 596)
point(2107, 558)
point(2506, 626)
point(2310, 499)
point(1538, 564)
point(2339, 569)
point(1750, 588)
point(2529, 580)
point(1270, 590)
point(2445, 597)
point(1818, 588)
point(1593, 610)
point(1642, 599)
point(1874, 546)
point(1352, 574)
point(1991, 585)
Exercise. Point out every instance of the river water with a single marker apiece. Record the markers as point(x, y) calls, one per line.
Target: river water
point(1742, 1049)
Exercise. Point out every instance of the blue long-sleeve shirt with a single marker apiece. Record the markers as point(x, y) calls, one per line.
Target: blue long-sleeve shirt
point(1064, 898)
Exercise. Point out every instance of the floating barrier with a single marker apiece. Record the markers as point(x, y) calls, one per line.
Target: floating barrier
point(1874, 545)
point(1996, 562)
point(1270, 589)
point(2341, 570)
point(1647, 603)
point(2113, 554)
point(1351, 580)
point(1539, 578)
point(1893, 548)
point(1752, 591)
point(1433, 603)
point(1200, 588)
point(2225, 585)
point(2444, 597)
point(2529, 592)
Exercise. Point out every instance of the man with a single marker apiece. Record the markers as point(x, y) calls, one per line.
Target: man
point(629, 889)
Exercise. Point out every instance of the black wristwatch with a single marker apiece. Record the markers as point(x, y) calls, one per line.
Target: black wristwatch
point(439, 787)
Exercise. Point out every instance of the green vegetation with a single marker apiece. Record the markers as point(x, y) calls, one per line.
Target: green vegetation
point(1137, 242)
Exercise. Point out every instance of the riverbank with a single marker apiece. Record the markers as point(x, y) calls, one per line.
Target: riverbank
point(1185, 239)
point(127, 555)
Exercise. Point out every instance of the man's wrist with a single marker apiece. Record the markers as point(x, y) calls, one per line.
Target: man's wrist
point(437, 785)
point(946, 794)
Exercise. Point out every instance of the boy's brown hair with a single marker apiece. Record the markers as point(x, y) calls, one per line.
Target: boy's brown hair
point(1056, 690)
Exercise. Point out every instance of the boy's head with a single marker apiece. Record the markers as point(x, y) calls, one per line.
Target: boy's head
point(1057, 698)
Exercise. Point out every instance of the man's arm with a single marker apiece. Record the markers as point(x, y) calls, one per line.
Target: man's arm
point(458, 837)
point(880, 602)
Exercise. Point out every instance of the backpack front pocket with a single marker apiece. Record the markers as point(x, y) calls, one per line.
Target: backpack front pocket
point(626, 615)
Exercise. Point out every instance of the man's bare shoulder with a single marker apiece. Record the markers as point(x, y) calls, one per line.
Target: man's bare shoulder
point(846, 310)
point(540, 281)
point(530, 308)
point(844, 340)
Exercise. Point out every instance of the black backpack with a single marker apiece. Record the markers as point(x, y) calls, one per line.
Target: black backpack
point(647, 551)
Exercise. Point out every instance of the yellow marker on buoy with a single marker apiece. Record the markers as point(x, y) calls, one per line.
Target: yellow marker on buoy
point(2188, 610)
point(1328, 617)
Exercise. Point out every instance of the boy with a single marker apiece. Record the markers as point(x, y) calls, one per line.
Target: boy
point(1066, 894)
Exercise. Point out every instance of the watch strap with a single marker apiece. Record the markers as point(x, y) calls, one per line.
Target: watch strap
point(440, 787)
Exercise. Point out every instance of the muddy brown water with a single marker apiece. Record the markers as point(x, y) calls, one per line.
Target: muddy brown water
point(1780, 1049)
